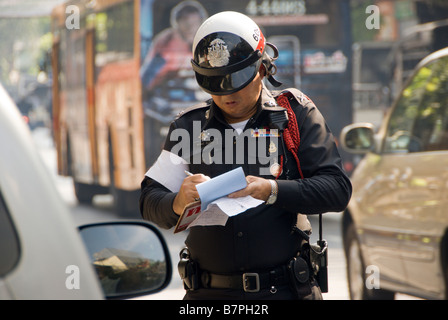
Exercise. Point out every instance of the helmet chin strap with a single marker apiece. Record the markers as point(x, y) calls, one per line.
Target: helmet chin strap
point(269, 66)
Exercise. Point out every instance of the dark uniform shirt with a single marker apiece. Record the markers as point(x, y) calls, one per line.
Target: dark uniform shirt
point(262, 237)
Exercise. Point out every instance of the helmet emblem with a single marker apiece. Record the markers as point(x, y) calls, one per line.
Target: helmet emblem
point(218, 55)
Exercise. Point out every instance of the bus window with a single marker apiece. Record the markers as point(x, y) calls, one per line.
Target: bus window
point(114, 28)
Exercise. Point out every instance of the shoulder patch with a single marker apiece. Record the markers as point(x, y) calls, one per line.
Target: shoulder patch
point(198, 106)
point(298, 95)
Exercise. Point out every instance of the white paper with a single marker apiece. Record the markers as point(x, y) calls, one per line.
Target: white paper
point(221, 209)
point(168, 170)
point(234, 206)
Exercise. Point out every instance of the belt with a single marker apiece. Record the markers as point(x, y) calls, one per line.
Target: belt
point(249, 281)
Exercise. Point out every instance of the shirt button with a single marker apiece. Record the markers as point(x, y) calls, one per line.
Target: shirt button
point(240, 234)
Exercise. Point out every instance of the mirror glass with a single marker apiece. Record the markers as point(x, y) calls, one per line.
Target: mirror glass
point(359, 139)
point(128, 258)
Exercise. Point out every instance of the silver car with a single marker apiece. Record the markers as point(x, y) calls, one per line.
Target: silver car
point(395, 229)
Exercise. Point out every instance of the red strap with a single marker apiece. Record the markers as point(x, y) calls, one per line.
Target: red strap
point(291, 135)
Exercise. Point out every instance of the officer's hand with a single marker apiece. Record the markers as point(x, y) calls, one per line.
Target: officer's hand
point(257, 187)
point(188, 192)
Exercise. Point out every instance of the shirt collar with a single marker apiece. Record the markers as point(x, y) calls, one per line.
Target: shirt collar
point(266, 101)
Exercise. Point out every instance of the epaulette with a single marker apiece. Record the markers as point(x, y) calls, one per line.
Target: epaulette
point(301, 98)
point(269, 102)
point(197, 106)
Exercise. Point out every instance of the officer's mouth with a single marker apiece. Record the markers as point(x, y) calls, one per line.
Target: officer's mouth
point(231, 103)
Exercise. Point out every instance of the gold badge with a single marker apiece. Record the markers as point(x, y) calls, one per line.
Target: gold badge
point(272, 147)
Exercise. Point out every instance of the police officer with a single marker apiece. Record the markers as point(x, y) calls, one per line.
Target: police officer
point(295, 168)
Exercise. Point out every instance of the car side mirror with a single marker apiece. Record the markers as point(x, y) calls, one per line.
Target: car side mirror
point(358, 138)
point(131, 258)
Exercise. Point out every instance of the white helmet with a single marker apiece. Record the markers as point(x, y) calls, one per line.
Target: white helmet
point(228, 50)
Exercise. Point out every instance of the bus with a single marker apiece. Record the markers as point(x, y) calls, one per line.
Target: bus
point(122, 72)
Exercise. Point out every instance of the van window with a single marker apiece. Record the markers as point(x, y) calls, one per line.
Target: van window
point(419, 121)
point(9, 242)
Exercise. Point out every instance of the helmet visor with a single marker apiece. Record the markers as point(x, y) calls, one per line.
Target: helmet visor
point(229, 83)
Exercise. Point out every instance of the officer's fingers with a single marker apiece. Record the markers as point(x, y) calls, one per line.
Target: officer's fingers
point(189, 188)
point(251, 179)
point(240, 193)
point(187, 191)
point(249, 190)
point(257, 187)
point(202, 178)
point(186, 195)
point(193, 194)
point(197, 178)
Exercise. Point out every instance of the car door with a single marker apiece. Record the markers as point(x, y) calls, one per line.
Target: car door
point(423, 176)
point(385, 197)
